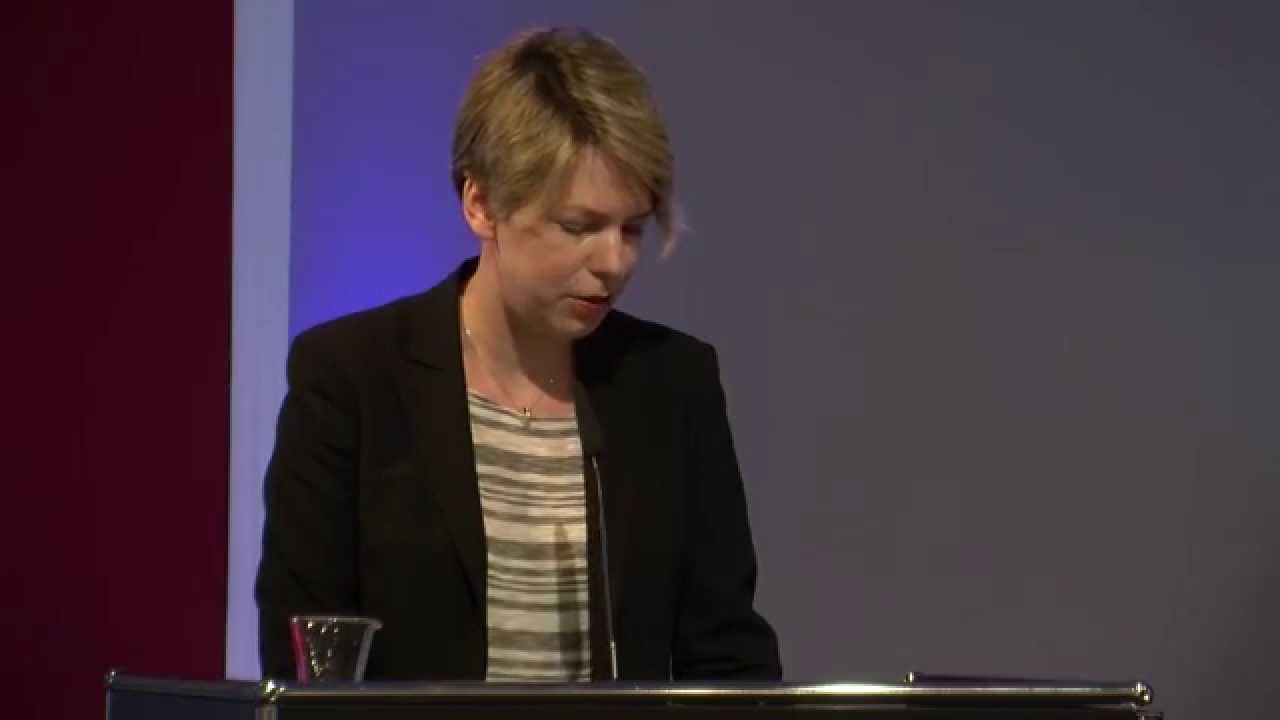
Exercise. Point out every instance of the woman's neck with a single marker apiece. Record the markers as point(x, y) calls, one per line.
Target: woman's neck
point(515, 354)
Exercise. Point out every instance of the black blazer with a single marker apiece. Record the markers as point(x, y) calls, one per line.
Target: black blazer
point(372, 504)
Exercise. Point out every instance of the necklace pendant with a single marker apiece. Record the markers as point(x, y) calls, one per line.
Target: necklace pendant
point(526, 415)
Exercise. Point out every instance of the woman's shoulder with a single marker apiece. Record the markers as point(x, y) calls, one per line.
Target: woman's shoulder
point(356, 330)
point(624, 341)
point(424, 325)
point(359, 341)
point(623, 328)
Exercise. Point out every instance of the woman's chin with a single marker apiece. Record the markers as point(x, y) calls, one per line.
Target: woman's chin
point(576, 327)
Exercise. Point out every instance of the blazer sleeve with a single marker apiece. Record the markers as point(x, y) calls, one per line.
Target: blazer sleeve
point(719, 634)
point(308, 540)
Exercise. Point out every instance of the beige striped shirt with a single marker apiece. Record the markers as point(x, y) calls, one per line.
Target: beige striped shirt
point(532, 494)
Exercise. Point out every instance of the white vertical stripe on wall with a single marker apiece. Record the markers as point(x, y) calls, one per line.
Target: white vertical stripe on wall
point(260, 294)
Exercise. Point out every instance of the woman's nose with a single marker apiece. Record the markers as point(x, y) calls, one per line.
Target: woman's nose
point(612, 253)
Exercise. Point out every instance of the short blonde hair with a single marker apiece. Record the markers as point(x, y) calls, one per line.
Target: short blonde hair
point(535, 104)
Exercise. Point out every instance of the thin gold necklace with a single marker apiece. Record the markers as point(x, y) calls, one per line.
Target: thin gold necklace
point(526, 411)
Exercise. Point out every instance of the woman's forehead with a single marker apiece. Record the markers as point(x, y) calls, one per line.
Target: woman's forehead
point(597, 185)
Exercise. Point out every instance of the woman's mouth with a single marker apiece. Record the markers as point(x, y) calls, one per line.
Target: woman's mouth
point(589, 306)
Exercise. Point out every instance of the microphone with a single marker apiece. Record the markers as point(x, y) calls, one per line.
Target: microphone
point(592, 448)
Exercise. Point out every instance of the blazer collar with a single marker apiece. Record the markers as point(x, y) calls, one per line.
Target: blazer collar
point(434, 330)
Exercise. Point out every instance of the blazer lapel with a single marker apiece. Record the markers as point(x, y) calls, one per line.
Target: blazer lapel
point(595, 373)
point(433, 388)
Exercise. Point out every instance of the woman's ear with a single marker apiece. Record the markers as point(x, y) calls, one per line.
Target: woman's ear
point(475, 210)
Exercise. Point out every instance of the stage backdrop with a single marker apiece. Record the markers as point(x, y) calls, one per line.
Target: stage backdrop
point(993, 284)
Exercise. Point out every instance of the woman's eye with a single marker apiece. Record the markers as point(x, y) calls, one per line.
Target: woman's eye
point(580, 229)
point(574, 228)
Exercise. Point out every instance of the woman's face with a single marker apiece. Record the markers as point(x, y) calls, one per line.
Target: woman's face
point(561, 266)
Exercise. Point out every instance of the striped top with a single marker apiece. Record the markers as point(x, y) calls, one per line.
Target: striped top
point(532, 494)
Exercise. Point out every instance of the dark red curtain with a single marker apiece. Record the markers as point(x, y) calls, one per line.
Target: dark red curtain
point(119, 232)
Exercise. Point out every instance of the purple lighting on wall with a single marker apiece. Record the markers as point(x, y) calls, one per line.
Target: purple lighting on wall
point(374, 216)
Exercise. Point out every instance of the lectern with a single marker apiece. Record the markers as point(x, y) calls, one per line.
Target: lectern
point(131, 697)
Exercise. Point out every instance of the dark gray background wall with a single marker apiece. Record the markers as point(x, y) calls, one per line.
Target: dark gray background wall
point(994, 286)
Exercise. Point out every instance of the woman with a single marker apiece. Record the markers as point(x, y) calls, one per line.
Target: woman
point(430, 468)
